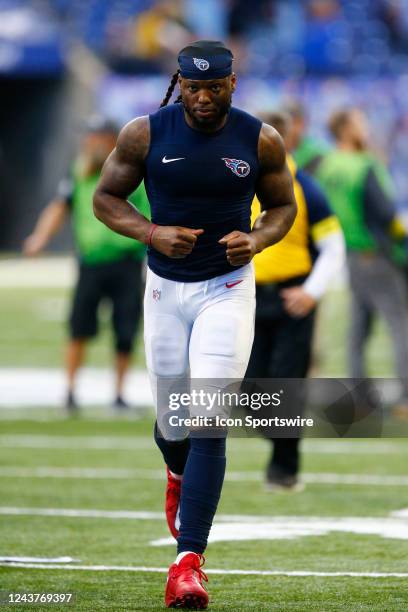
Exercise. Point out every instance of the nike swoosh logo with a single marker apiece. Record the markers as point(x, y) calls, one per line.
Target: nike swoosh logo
point(229, 285)
point(167, 161)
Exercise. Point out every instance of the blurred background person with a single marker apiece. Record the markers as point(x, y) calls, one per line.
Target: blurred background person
point(327, 38)
point(110, 265)
point(291, 277)
point(307, 150)
point(157, 31)
point(359, 190)
point(147, 40)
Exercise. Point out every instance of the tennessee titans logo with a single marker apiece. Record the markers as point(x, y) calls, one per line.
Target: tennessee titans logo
point(156, 294)
point(201, 64)
point(238, 166)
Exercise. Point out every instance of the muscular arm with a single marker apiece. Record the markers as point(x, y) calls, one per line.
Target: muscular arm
point(274, 190)
point(121, 175)
point(278, 205)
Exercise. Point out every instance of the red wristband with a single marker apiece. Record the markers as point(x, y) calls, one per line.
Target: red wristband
point(150, 234)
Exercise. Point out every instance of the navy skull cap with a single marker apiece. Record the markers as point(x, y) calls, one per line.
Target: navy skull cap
point(204, 60)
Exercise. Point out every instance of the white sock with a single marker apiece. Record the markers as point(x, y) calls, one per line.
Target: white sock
point(183, 554)
point(176, 476)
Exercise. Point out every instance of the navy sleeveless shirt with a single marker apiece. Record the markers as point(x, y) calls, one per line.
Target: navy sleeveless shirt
point(204, 181)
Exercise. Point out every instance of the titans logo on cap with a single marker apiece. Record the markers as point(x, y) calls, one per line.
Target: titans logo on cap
point(205, 60)
point(201, 64)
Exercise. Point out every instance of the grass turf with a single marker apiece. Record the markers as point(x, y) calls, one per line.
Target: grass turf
point(34, 335)
point(102, 541)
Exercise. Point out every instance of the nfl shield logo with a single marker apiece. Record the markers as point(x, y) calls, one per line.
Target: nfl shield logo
point(156, 295)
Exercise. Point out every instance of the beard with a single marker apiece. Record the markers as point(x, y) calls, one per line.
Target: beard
point(209, 123)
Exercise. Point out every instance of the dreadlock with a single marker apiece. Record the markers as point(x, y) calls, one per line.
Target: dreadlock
point(170, 90)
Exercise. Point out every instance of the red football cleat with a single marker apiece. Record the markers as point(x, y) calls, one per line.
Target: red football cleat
point(173, 492)
point(184, 587)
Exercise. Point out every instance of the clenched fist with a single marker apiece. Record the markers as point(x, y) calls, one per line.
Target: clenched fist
point(241, 247)
point(174, 241)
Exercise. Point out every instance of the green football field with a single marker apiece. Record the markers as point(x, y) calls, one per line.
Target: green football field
point(92, 490)
point(85, 496)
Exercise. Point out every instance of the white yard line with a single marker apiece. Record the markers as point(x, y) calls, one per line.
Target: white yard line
point(96, 413)
point(41, 272)
point(30, 388)
point(37, 559)
point(39, 387)
point(234, 528)
point(323, 478)
point(324, 447)
point(329, 478)
point(79, 513)
point(77, 442)
point(81, 473)
point(225, 572)
point(356, 479)
point(400, 513)
point(355, 447)
point(160, 516)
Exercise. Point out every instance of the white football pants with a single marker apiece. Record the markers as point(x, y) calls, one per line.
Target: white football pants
point(200, 330)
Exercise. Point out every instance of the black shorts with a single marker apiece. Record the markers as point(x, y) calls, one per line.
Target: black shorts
point(282, 344)
point(121, 283)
